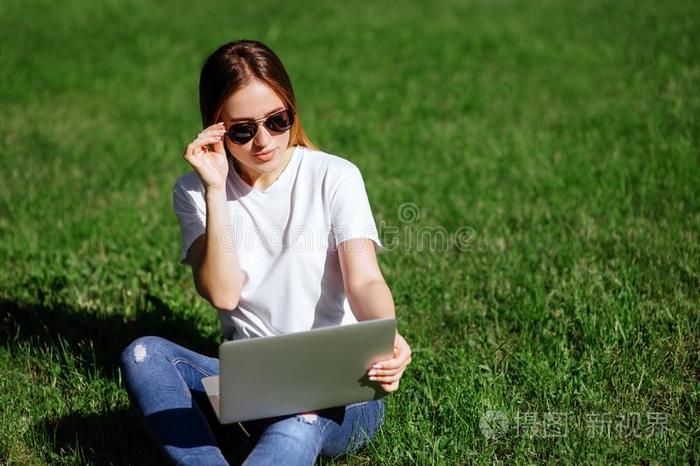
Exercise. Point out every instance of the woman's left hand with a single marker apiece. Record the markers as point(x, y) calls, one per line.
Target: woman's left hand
point(389, 371)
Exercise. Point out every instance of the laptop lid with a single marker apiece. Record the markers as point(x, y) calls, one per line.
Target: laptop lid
point(298, 372)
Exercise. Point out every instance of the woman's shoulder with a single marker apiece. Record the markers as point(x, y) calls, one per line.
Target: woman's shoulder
point(326, 164)
point(188, 182)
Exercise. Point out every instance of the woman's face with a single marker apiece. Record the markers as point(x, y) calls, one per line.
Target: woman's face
point(266, 152)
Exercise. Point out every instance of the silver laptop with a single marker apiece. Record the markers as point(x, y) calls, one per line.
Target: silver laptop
point(299, 372)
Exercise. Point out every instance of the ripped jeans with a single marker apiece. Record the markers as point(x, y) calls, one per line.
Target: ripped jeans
point(163, 381)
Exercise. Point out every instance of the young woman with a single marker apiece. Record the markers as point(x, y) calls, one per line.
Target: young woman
point(280, 238)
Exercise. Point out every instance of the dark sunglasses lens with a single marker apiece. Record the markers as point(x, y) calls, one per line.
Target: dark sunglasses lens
point(280, 122)
point(242, 133)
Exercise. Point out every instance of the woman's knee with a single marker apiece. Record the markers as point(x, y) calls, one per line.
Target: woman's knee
point(360, 424)
point(369, 420)
point(294, 440)
point(141, 349)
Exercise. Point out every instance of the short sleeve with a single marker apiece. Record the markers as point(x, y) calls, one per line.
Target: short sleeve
point(190, 208)
point(351, 215)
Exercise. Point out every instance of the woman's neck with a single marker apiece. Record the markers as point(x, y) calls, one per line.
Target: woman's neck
point(260, 180)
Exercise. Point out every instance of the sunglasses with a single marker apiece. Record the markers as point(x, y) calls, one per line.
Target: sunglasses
point(279, 122)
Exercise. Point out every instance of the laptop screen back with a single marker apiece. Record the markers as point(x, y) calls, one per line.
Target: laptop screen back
point(299, 372)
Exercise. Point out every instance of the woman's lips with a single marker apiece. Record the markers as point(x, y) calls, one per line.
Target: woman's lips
point(264, 155)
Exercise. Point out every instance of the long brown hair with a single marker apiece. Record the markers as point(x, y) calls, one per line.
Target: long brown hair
point(235, 64)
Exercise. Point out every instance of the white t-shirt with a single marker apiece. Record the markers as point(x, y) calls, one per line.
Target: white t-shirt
point(286, 238)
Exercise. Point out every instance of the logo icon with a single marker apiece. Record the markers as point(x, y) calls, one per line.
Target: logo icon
point(493, 424)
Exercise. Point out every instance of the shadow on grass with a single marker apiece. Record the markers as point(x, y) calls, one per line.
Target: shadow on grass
point(100, 337)
point(109, 438)
point(115, 437)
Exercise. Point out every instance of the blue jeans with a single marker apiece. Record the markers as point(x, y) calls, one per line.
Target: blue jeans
point(163, 381)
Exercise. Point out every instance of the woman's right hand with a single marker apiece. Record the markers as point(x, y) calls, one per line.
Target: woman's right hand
point(210, 165)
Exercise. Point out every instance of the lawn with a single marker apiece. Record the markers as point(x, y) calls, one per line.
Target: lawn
point(532, 167)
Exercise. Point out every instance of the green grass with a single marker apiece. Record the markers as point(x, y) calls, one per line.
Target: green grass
point(560, 138)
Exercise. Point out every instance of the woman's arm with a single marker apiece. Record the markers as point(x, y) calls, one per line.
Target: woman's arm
point(215, 267)
point(368, 294)
point(370, 298)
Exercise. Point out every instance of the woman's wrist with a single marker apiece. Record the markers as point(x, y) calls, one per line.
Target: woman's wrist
point(214, 191)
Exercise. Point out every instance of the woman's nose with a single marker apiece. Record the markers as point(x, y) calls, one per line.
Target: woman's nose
point(262, 137)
